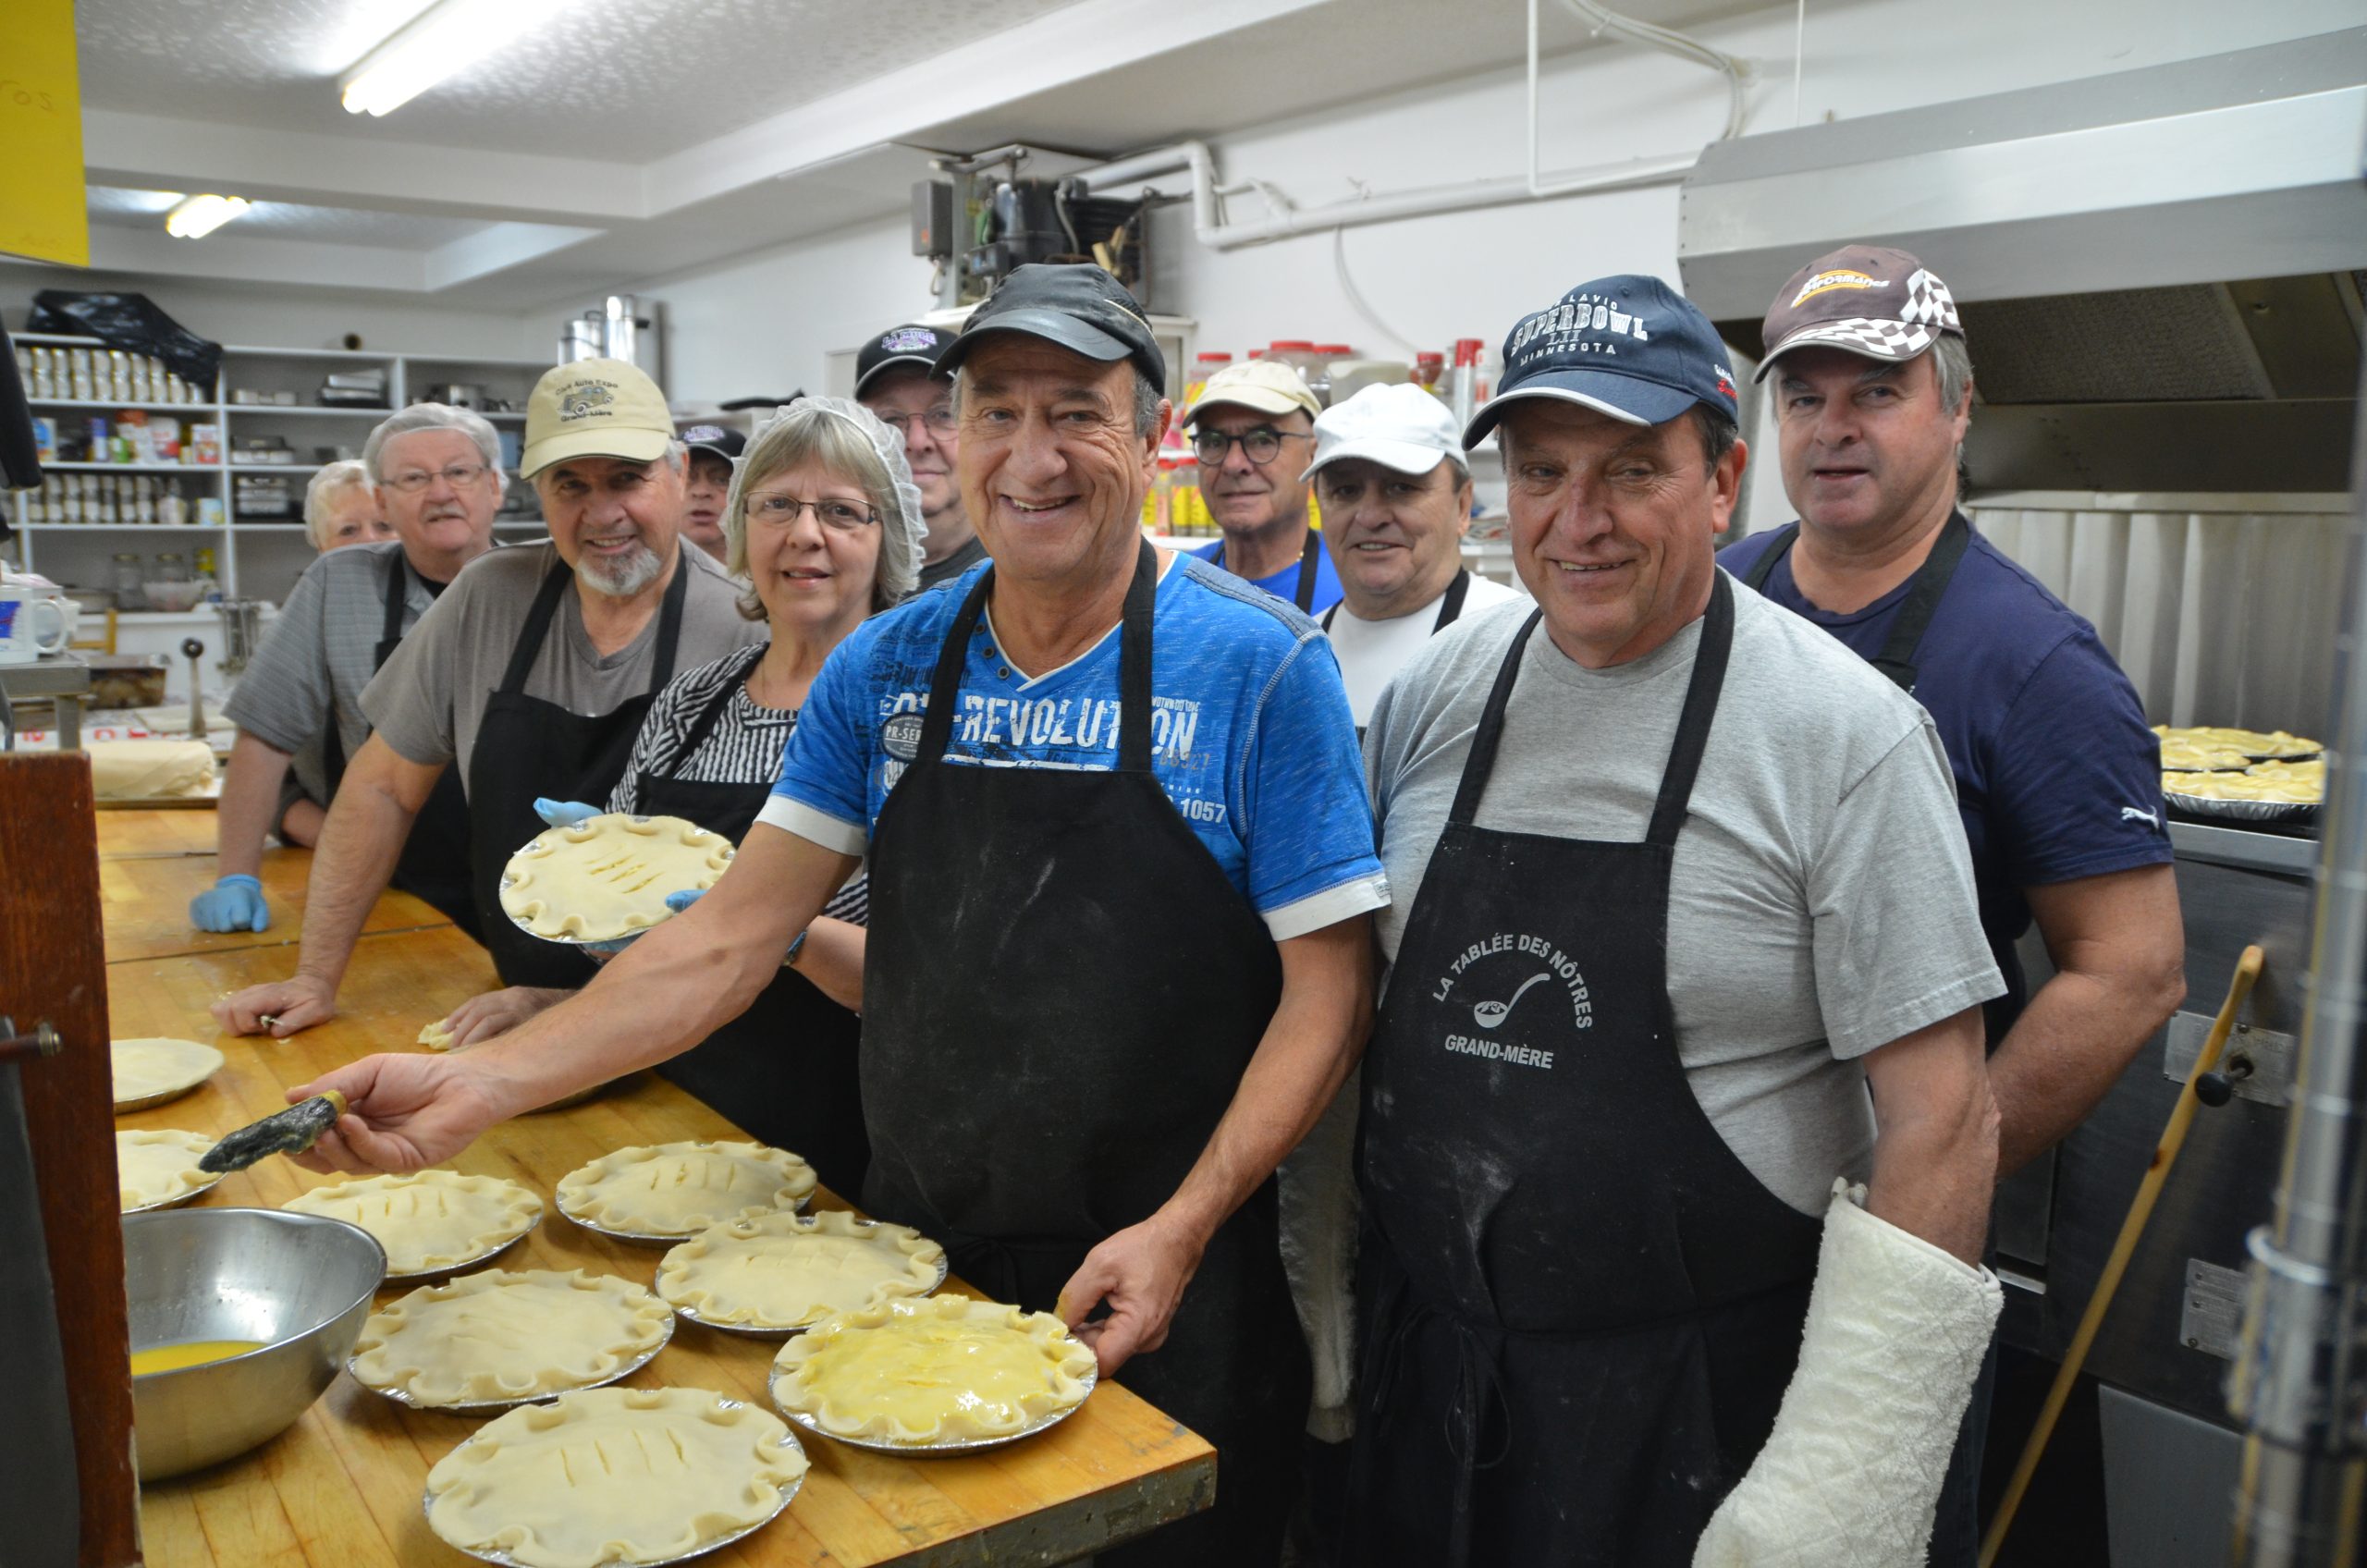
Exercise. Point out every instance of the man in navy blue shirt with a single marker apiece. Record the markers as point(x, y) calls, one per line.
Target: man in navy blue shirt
point(2058, 779)
point(1253, 430)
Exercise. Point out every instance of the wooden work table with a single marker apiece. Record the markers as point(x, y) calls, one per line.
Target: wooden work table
point(341, 1488)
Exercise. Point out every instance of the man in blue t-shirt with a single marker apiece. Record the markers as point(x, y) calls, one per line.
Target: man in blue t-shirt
point(1253, 430)
point(2058, 779)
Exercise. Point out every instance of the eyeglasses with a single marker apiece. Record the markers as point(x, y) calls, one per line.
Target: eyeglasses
point(1262, 444)
point(940, 421)
point(458, 476)
point(773, 510)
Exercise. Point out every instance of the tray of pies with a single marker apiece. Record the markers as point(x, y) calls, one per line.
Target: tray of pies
point(431, 1222)
point(157, 1169)
point(778, 1274)
point(614, 1478)
point(936, 1375)
point(495, 1339)
point(2281, 793)
point(668, 1193)
point(2211, 748)
point(150, 1071)
point(606, 879)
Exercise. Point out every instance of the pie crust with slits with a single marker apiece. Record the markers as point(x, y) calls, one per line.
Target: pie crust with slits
point(157, 1069)
point(429, 1219)
point(788, 1270)
point(608, 877)
point(676, 1190)
point(156, 1168)
point(940, 1369)
point(614, 1475)
point(497, 1335)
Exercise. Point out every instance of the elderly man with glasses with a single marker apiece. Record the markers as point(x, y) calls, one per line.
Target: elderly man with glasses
point(895, 377)
point(436, 476)
point(1253, 430)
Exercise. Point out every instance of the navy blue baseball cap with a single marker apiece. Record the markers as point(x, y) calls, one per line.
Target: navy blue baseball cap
point(1630, 346)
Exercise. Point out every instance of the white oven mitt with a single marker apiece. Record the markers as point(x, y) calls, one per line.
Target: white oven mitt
point(1896, 1332)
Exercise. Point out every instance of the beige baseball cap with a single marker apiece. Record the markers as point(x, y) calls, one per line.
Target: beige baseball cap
point(595, 409)
point(1268, 386)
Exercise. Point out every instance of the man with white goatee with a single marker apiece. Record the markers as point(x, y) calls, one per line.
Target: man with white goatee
point(530, 677)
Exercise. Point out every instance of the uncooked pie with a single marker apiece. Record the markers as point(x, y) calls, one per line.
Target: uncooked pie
point(608, 876)
point(614, 1475)
point(2289, 786)
point(674, 1191)
point(429, 1219)
point(2254, 745)
point(786, 1272)
point(158, 1168)
point(939, 1369)
point(149, 1071)
point(497, 1335)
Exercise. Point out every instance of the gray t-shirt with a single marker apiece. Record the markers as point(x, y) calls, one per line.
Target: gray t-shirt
point(431, 695)
point(319, 654)
point(1822, 903)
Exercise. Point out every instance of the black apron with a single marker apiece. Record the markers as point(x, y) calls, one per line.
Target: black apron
point(1580, 1310)
point(435, 863)
point(1449, 602)
point(1061, 992)
point(785, 1069)
point(526, 748)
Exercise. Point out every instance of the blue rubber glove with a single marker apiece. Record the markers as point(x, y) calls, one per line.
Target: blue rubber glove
point(565, 814)
point(235, 903)
point(680, 902)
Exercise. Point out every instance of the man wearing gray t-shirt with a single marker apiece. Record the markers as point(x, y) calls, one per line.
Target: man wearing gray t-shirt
point(529, 678)
point(1676, 882)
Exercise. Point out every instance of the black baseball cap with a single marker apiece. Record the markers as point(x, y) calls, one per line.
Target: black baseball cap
point(1075, 304)
point(912, 346)
point(1630, 346)
point(720, 439)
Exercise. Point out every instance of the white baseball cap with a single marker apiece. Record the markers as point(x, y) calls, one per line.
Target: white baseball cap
point(1398, 426)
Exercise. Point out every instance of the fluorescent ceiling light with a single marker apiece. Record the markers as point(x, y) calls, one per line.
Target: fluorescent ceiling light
point(447, 38)
point(201, 216)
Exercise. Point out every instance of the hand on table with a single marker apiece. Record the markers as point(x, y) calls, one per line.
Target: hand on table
point(235, 903)
point(565, 814)
point(1141, 1272)
point(403, 1113)
point(278, 1008)
point(497, 1013)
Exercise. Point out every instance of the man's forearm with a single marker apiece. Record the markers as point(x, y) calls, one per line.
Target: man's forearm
point(1317, 1032)
point(360, 844)
point(2066, 1052)
point(832, 958)
point(250, 795)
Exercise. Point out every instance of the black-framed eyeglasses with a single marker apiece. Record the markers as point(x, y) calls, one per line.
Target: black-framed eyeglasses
point(458, 476)
point(1261, 444)
point(940, 421)
point(773, 510)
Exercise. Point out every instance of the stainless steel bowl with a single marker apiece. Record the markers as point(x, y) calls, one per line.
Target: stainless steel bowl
point(300, 1283)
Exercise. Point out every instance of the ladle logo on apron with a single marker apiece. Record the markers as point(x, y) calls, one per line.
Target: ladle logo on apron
point(1495, 974)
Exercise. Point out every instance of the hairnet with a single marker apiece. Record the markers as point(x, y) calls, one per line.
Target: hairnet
point(805, 428)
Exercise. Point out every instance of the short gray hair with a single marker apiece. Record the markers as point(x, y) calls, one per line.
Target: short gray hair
point(434, 416)
point(1952, 360)
point(1149, 395)
point(851, 441)
point(322, 494)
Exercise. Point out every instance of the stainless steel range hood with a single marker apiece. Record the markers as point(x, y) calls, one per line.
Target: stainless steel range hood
point(2160, 271)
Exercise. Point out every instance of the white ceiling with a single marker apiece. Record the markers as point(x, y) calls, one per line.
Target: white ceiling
point(635, 138)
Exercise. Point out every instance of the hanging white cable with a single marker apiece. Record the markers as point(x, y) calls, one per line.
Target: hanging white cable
point(1799, 55)
point(1650, 35)
point(1355, 296)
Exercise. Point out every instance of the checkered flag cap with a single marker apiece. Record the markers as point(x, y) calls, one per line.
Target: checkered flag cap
point(1866, 300)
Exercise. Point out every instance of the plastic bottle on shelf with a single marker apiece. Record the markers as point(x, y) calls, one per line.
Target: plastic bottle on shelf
point(1428, 369)
point(1297, 353)
point(1318, 373)
point(1463, 386)
point(1203, 367)
point(171, 511)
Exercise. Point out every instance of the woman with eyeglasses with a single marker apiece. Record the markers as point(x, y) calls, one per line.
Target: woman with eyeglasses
point(824, 521)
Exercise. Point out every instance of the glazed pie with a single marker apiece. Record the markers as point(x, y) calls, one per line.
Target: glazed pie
point(940, 1369)
point(614, 1475)
point(786, 1272)
point(608, 876)
point(502, 1336)
point(676, 1190)
point(153, 1169)
point(148, 1070)
point(430, 1220)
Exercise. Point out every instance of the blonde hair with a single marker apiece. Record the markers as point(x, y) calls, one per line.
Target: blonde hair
point(851, 442)
point(322, 494)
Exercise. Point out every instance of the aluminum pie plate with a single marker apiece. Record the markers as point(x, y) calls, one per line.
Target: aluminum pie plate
point(486, 1406)
point(607, 944)
point(670, 1239)
point(181, 1197)
point(463, 1265)
point(944, 1267)
point(943, 1447)
point(789, 1439)
point(2278, 813)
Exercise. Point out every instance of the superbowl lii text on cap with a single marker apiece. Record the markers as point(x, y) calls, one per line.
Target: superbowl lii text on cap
point(1863, 298)
point(1628, 346)
point(1265, 386)
point(1399, 426)
point(595, 409)
point(1075, 304)
point(911, 346)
